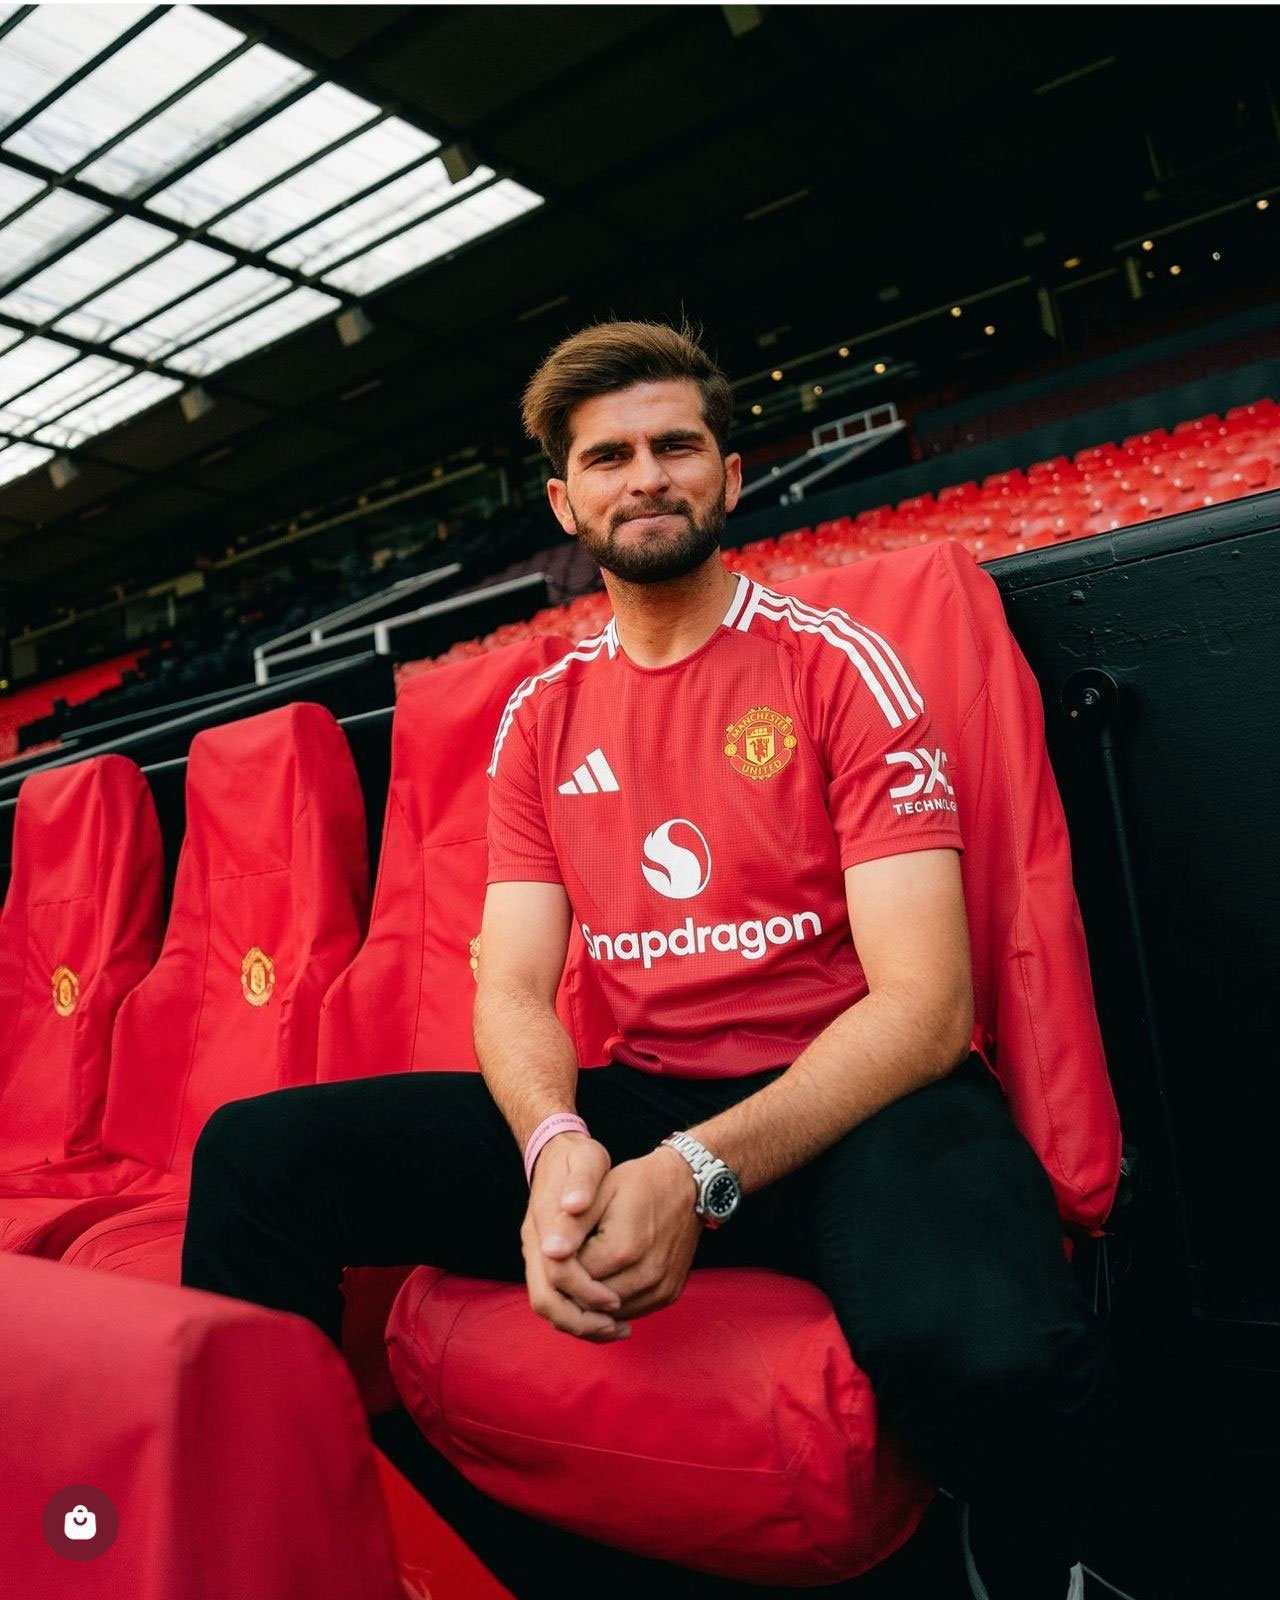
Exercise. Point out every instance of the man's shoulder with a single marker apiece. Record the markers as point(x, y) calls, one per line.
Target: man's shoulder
point(533, 692)
point(830, 645)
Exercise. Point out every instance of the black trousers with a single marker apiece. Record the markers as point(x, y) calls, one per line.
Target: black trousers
point(931, 1227)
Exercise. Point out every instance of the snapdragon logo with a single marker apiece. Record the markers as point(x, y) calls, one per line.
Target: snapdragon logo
point(679, 867)
point(750, 939)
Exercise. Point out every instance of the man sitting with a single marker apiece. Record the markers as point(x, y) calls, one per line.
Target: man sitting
point(708, 788)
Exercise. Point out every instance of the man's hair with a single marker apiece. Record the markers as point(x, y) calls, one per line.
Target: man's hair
point(612, 356)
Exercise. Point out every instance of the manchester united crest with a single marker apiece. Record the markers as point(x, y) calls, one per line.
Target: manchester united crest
point(761, 743)
point(66, 991)
point(257, 977)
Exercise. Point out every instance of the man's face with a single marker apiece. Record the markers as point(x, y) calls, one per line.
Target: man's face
point(645, 489)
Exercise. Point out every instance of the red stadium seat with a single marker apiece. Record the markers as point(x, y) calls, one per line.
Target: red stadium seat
point(1040, 470)
point(1255, 473)
point(228, 1439)
point(753, 1450)
point(268, 907)
point(80, 927)
point(1255, 409)
point(1012, 481)
point(381, 1014)
point(405, 1002)
point(959, 494)
point(1154, 438)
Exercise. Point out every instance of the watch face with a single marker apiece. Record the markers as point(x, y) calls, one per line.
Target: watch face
point(722, 1196)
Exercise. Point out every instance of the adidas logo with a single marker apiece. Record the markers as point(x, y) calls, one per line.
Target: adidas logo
point(594, 776)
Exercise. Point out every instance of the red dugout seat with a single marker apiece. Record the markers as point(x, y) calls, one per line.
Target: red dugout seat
point(228, 1439)
point(751, 1446)
point(81, 926)
point(405, 1002)
point(268, 907)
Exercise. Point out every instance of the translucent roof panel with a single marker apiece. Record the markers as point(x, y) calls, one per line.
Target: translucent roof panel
point(15, 187)
point(71, 387)
point(107, 410)
point(369, 220)
point(178, 47)
point(226, 297)
point(52, 42)
point(116, 250)
point(301, 129)
point(198, 121)
point(47, 226)
point(261, 328)
point(177, 273)
point(29, 363)
point(429, 240)
point(361, 163)
point(19, 459)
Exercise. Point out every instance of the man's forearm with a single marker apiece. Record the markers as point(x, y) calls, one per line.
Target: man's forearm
point(878, 1050)
point(526, 1057)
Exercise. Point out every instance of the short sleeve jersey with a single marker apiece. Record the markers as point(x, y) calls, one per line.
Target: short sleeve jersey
point(700, 816)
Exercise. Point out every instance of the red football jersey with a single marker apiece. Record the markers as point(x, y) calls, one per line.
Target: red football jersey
point(700, 816)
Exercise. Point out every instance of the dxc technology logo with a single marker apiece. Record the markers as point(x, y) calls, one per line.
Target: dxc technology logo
point(678, 867)
point(927, 775)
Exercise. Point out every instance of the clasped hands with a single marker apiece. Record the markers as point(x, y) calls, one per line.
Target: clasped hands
point(603, 1244)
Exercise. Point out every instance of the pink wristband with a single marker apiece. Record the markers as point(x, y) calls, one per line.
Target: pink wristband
point(558, 1122)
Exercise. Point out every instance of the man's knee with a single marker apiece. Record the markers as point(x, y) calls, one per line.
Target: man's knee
point(258, 1134)
point(1009, 1362)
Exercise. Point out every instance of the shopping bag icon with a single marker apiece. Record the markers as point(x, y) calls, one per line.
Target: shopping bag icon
point(80, 1523)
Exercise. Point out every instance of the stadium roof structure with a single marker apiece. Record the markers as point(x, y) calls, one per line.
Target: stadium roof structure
point(175, 196)
point(257, 258)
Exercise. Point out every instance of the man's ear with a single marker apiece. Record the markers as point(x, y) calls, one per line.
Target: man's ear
point(732, 479)
point(558, 494)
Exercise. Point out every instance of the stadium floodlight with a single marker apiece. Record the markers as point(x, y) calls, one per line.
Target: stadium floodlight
point(62, 471)
point(742, 19)
point(195, 402)
point(353, 324)
point(459, 161)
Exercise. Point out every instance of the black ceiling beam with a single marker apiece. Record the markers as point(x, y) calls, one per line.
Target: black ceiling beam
point(11, 22)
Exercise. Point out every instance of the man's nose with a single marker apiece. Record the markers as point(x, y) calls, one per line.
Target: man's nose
point(648, 476)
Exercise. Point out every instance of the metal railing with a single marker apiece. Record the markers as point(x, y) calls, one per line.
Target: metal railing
point(835, 445)
point(338, 622)
point(425, 630)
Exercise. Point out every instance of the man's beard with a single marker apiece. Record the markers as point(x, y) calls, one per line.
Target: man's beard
point(662, 556)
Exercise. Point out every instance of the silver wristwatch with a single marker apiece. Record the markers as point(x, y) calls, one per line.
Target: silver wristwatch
point(718, 1188)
